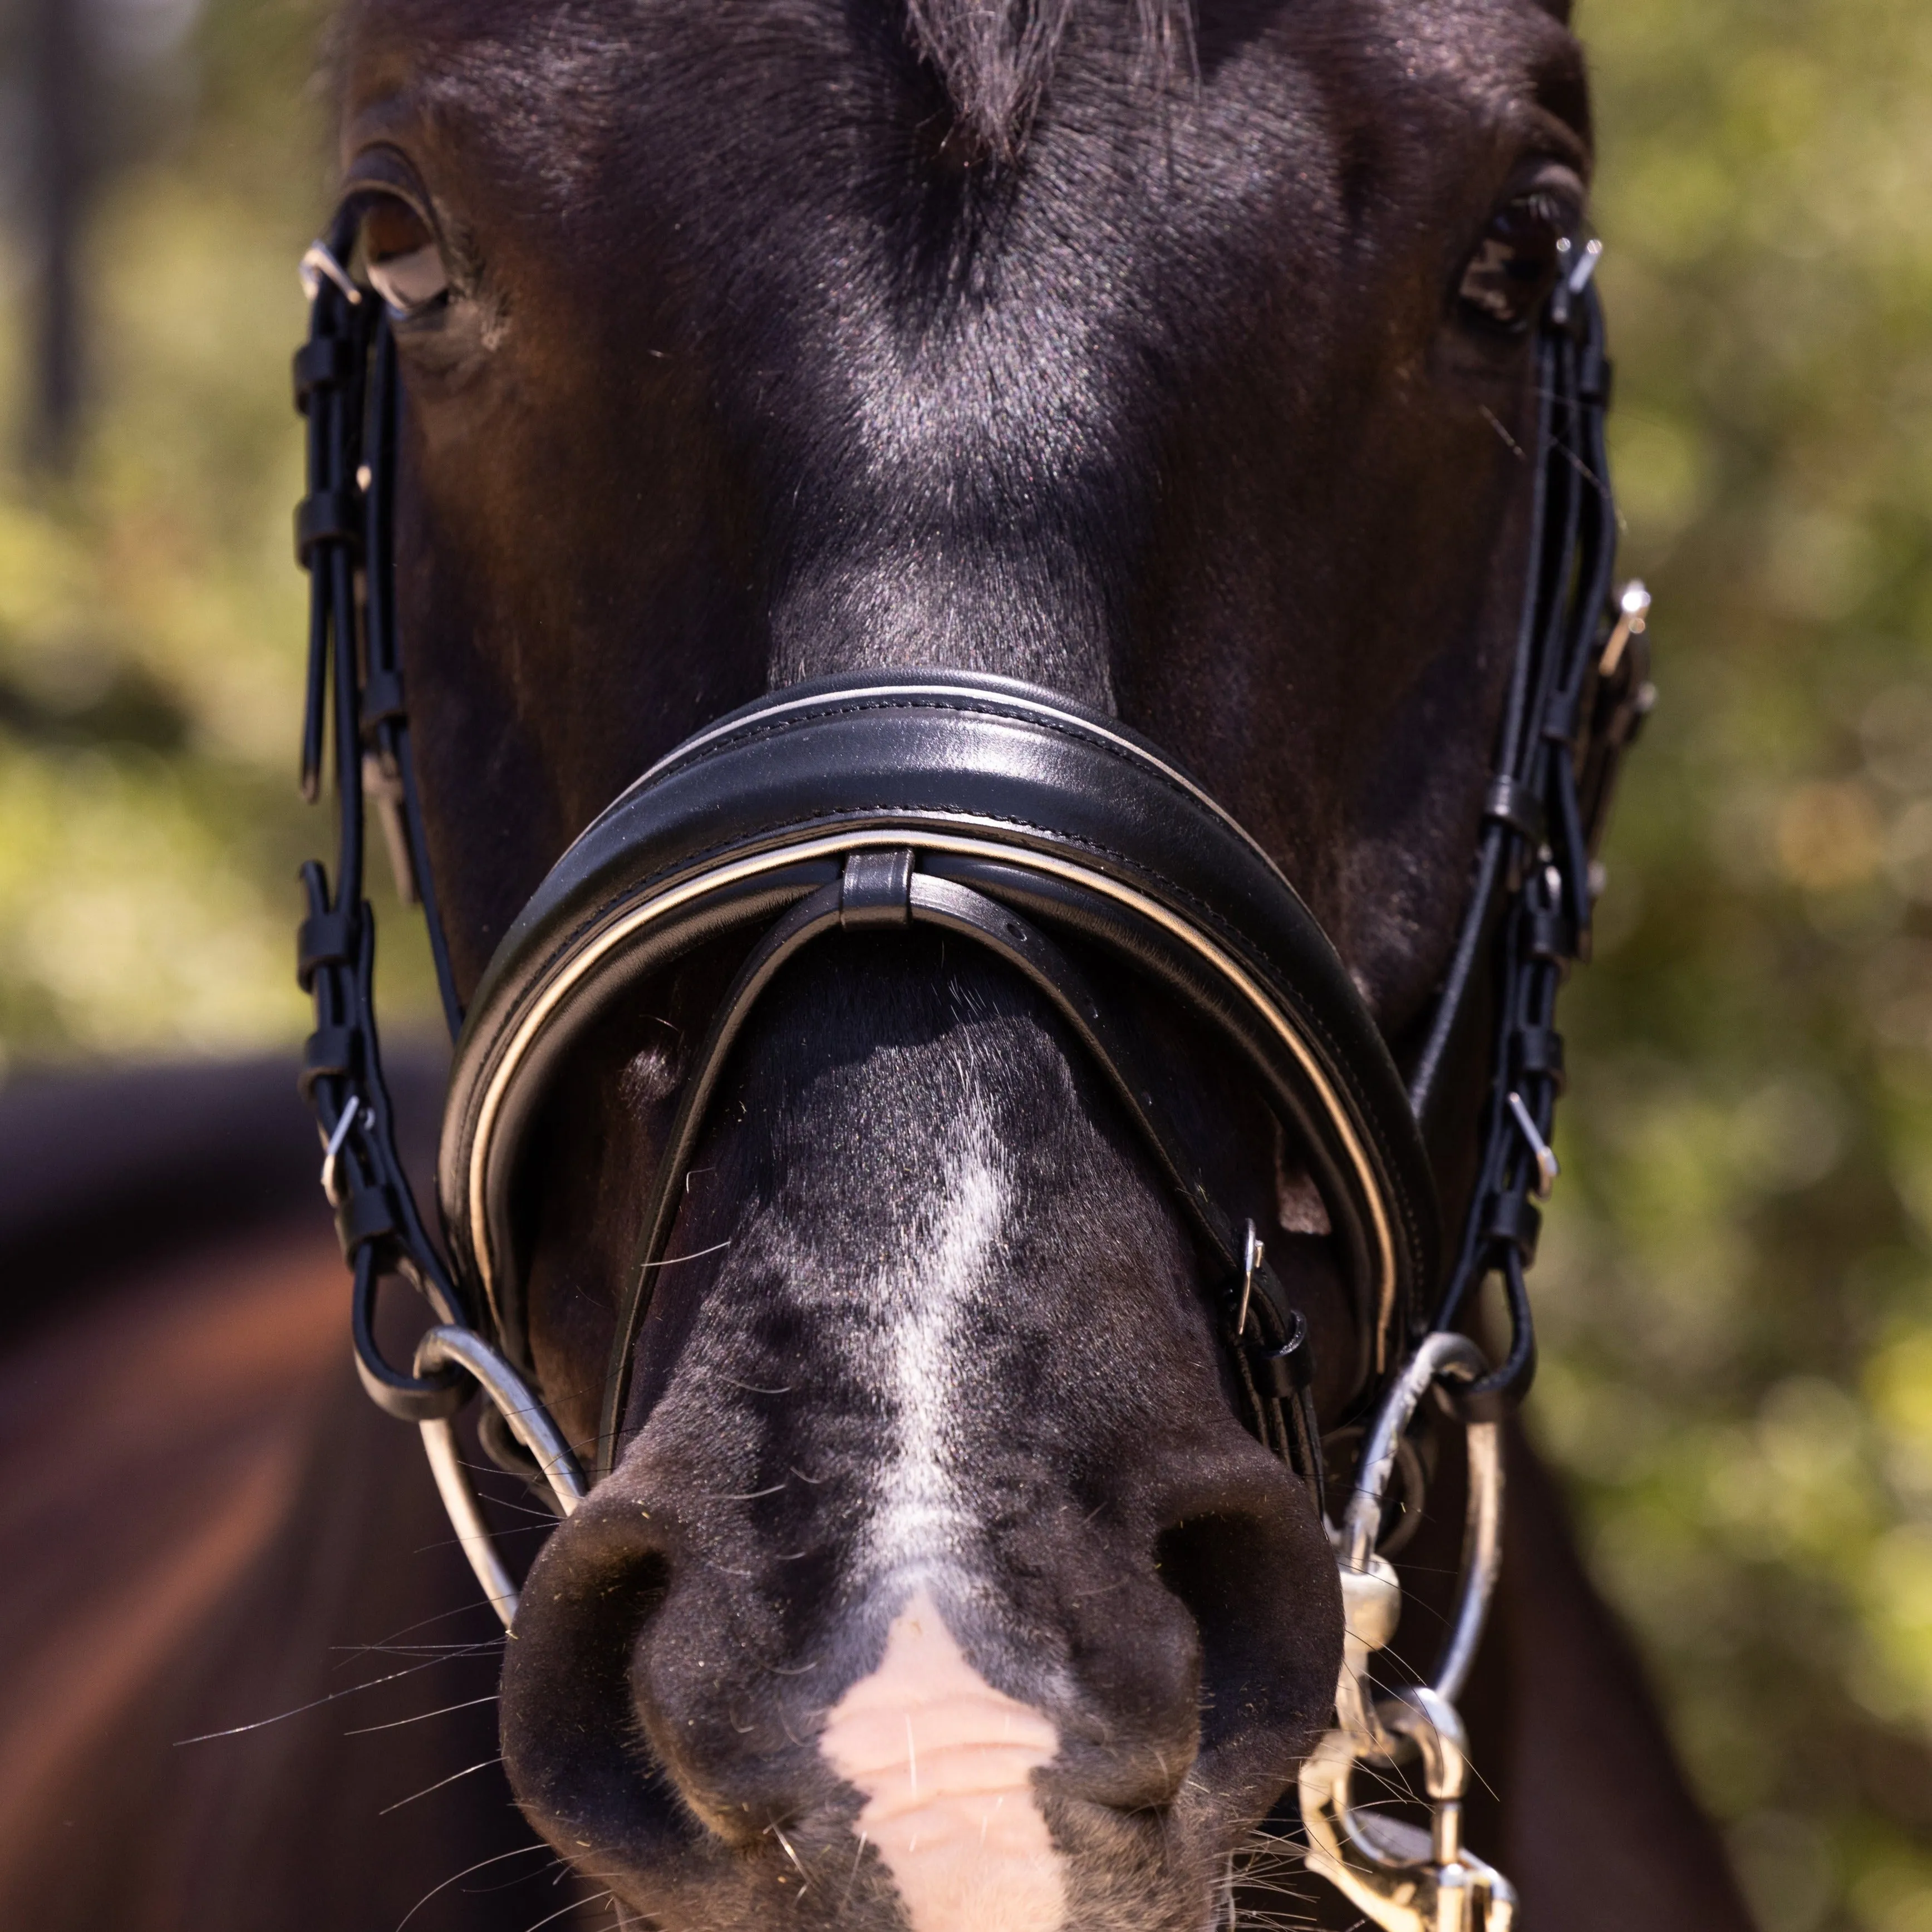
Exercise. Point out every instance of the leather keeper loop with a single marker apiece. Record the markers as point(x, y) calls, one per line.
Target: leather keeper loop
point(363, 1217)
point(1539, 1050)
point(1284, 1372)
point(383, 698)
point(324, 363)
point(1548, 935)
point(323, 939)
point(1596, 377)
point(876, 890)
point(1514, 1219)
point(328, 1054)
point(1559, 726)
point(1512, 803)
point(327, 516)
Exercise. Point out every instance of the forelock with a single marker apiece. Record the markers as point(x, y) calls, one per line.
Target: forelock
point(996, 56)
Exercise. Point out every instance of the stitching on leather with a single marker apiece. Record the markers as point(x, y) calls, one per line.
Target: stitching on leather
point(832, 707)
point(1211, 920)
point(753, 732)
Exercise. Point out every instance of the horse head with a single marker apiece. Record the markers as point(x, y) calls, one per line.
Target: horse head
point(1186, 371)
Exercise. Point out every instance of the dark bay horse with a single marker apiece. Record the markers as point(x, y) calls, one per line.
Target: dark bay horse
point(1181, 365)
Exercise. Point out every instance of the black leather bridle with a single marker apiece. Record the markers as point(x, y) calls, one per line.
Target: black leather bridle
point(1045, 833)
point(1040, 832)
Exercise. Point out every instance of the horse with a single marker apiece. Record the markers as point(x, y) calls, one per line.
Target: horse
point(1160, 394)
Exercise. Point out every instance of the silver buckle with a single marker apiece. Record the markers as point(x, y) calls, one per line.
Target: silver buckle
point(319, 263)
point(354, 1112)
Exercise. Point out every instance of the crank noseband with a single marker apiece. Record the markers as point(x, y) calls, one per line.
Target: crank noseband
point(1013, 818)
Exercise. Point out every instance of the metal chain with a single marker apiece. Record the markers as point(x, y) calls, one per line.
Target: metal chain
point(1403, 1879)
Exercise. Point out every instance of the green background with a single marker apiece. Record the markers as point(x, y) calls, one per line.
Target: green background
point(1736, 1286)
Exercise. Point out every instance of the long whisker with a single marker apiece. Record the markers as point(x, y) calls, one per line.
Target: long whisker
point(672, 1261)
point(556, 1864)
point(482, 1764)
point(422, 1623)
point(544, 1527)
point(792, 1855)
point(1496, 424)
point(506, 1502)
point(521, 1852)
point(348, 1690)
point(572, 1906)
point(471, 1647)
point(421, 1716)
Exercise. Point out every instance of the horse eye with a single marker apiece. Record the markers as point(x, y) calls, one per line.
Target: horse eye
point(1509, 277)
point(400, 257)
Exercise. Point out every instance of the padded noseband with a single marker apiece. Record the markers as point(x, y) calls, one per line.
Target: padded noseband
point(1010, 816)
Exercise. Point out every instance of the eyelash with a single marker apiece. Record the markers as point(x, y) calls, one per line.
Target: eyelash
point(1546, 205)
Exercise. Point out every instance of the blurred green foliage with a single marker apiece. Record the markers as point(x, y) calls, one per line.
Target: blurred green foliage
point(150, 617)
point(1736, 1294)
point(1737, 1283)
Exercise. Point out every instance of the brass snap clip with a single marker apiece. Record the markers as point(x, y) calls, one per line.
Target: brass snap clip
point(1400, 1877)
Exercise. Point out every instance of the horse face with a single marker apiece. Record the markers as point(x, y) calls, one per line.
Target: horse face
point(939, 1584)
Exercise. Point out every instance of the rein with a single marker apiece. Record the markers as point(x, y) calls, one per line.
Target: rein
point(1054, 838)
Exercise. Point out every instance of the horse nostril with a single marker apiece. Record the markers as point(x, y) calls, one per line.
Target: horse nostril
point(1228, 1572)
point(569, 1736)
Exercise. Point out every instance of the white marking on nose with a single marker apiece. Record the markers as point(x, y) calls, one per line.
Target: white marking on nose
point(944, 1760)
point(963, 1857)
point(922, 1520)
